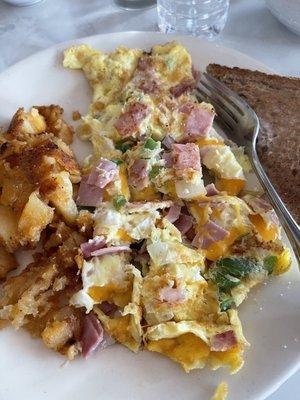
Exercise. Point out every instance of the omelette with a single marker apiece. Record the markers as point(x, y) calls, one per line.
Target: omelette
point(177, 239)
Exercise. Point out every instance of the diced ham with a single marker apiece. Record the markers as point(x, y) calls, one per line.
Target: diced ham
point(187, 108)
point(108, 308)
point(146, 77)
point(186, 85)
point(262, 207)
point(92, 334)
point(168, 142)
point(223, 341)
point(184, 223)
point(103, 173)
point(89, 195)
point(211, 190)
point(196, 74)
point(128, 123)
point(199, 121)
point(138, 174)
point(110, 250)
point(94, 244)
point(210, 233)
point(107, 341)
point(172, 295)
point(168, 159)
point(258, 204)
point(272, 217)
point(186, 156)
point(149, 85)
point(173, 213)
point(144, 63)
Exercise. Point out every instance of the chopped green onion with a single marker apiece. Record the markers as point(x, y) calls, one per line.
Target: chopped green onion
point(117, 161)
point(86, 208)
point(225, 282)
point(154, 171)
point(226, 302)
point(170, 64)
point(150, 144)
point(123, 146)
point(270, 263)
point(237, 267)
point(119, 201)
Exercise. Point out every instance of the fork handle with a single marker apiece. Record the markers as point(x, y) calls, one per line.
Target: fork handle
point(289, 224)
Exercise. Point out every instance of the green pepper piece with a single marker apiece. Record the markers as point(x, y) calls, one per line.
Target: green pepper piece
point(270, 263)
point(226, 302)
point(123, 146)
point(154, 171)
point(237, 267)
point(119, 201)
point(117, 161)
point(170, 64)
point(150, 144)
point(225, 282)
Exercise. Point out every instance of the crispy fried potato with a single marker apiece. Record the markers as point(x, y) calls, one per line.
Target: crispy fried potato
point(8, 262)
point(37, 171)
point(54, 122)
point(35, 216)
point(37, 299)
point(38, 120)
point(9, 235)
point(58, 190)
point(24, 124)
point(57, 334)
point(85, 222)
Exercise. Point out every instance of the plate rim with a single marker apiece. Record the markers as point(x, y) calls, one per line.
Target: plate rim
point(260, 65)
point(217, 47)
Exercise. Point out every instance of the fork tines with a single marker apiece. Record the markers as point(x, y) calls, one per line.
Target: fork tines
point(223, 100)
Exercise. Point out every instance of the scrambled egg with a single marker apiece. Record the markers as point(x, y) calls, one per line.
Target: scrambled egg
point(193, 249)
point(126, 327)
point(125, 226)
point(106, 73)
point(108, 278)
point(189, 343)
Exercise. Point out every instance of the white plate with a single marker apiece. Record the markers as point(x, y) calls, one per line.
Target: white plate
point(270, 316)
point(287, 12)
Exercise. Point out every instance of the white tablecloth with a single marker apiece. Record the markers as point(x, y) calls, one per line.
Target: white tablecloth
point(250, 28)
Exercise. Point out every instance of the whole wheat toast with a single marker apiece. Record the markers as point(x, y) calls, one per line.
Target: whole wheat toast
point(276, 100)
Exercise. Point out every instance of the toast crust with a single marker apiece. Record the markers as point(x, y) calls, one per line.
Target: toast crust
point(276, 100)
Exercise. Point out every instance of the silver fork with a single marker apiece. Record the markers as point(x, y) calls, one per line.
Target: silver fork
point(241, 125)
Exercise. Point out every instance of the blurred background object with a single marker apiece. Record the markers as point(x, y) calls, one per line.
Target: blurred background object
point(287, 12)
point(205, 18)
point(22, 3)
point(135, 4)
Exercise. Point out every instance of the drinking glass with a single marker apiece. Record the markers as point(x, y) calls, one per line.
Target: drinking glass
point(193, 17)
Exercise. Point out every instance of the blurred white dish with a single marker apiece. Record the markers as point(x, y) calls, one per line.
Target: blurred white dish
point(287, 12)
point(21, 3)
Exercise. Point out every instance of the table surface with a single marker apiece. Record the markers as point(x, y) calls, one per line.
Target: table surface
point(250, 28)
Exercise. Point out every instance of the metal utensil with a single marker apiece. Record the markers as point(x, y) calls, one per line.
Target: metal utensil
point(241, 125)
